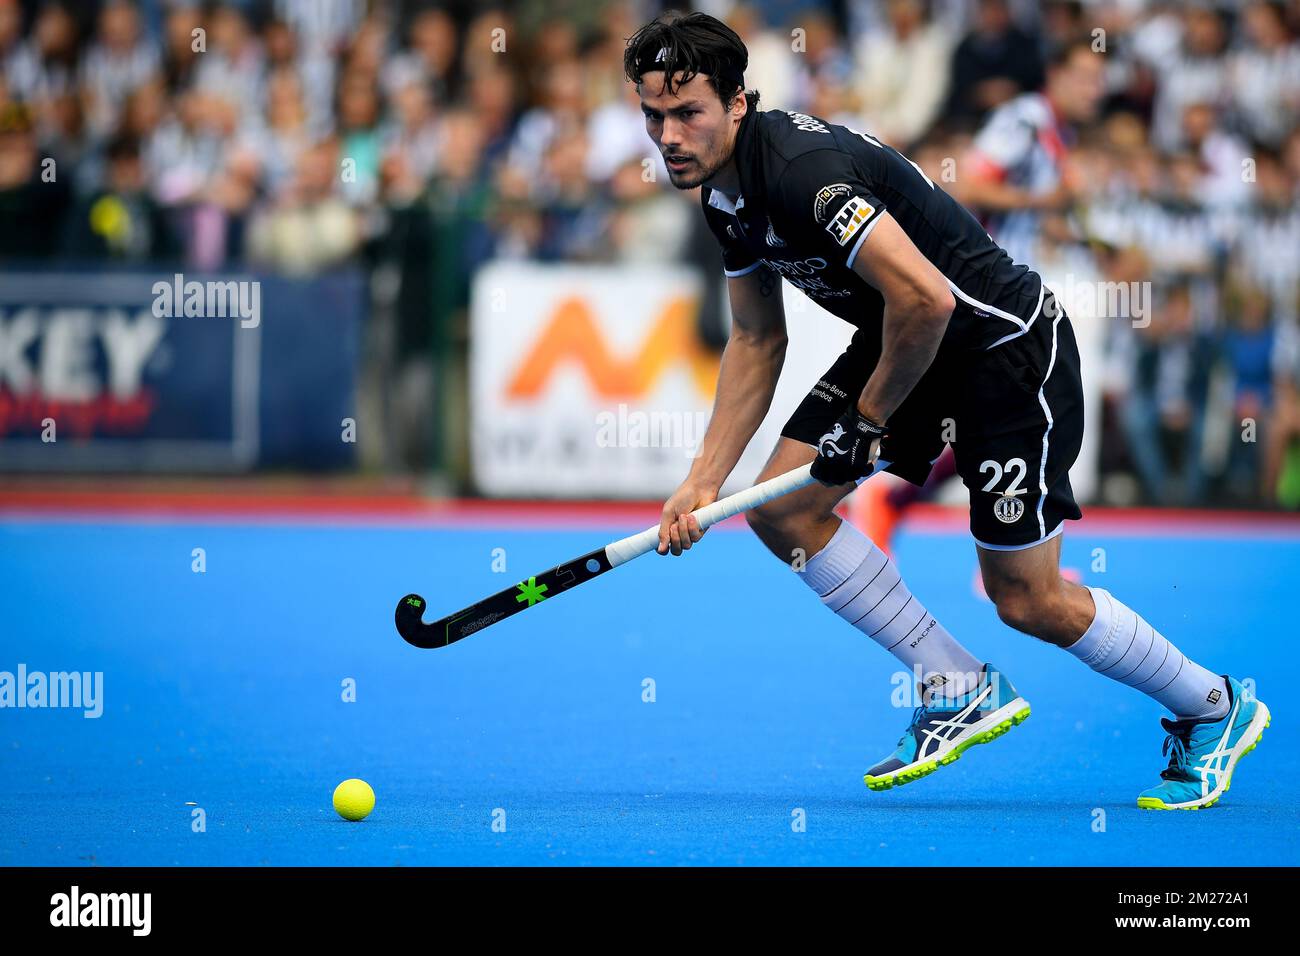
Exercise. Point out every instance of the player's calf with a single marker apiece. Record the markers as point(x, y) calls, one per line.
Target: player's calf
point(1098, 629)
point(1055, 615)
point(1032, 597)
point(793, 529)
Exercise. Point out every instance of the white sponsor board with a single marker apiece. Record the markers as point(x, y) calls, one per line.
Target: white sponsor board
point(589, 382)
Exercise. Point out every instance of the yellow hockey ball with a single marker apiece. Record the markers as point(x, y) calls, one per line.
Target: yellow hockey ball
point(353, 799)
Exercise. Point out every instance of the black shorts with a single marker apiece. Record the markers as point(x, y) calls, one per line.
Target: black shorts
point(1013, 415)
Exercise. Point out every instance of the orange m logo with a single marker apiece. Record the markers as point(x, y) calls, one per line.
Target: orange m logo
point(573, 335)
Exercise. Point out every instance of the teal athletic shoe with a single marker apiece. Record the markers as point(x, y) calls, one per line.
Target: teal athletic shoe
point(1203, 753)
point(940, 734)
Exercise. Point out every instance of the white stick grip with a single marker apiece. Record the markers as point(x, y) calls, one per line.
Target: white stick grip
point(624, 550)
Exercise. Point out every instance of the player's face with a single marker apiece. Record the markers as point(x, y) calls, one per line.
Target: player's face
point(694, 133)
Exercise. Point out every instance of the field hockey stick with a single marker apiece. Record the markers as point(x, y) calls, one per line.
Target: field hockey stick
point(564, 577)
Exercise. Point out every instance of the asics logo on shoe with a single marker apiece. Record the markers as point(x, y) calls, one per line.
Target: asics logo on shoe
point(1215, 763)
point(941, 731)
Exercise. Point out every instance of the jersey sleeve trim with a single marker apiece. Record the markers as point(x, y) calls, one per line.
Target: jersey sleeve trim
point(866, 231)
point(737, 273)
point(844, 208)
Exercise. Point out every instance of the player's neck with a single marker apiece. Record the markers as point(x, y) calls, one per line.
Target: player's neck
point(726, 179)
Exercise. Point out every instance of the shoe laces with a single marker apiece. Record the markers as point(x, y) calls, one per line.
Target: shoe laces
point(1175, 745)
point(918, 715)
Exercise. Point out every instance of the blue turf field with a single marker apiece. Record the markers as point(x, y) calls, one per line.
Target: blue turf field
point(223, 688)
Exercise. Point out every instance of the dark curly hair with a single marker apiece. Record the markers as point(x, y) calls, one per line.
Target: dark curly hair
point(685, 45)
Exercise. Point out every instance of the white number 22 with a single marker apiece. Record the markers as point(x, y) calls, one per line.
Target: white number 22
point(997, 470)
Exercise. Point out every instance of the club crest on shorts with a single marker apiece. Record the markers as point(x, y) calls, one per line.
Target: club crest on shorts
point(1008, 509)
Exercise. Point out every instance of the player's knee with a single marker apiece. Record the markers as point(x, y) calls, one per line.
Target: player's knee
point(772, 516)
point(1026, 609)
point(1016, 609)
point(784, 520)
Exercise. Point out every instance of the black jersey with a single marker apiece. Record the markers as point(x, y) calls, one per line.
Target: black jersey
point(810, 194)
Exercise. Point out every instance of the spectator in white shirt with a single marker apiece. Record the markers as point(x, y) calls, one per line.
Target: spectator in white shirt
point(904, 74)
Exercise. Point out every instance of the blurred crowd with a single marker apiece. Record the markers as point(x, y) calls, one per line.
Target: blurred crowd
point(418, 140)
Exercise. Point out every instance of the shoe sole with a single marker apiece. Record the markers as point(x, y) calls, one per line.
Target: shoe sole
point(1155, 803)
point(1017, 712)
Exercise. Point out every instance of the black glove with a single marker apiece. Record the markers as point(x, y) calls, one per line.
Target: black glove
point(849, 450)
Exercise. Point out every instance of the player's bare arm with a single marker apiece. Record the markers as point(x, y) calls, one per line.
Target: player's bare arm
point(751, 365)
point(918, 305)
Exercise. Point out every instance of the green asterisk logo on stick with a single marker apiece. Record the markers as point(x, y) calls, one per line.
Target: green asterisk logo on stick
point(531, 591)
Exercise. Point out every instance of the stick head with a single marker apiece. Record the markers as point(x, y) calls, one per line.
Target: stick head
point(410, 623)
